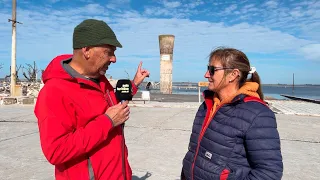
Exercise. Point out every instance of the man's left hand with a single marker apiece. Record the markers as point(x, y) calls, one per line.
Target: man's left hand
point(140, 75)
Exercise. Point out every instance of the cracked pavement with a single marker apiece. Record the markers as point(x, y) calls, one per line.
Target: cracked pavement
point(157, 139)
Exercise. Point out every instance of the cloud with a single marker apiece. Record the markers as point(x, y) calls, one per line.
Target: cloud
point(94, 9)
point(311, 52)
point(117, 4)
point(50, 34)
point(194, 39)
point(194, 4)
point(174, 9)
point(271, 4)
point(230, 9)
point(173, 4)
point(4, 1)
point(54, 1)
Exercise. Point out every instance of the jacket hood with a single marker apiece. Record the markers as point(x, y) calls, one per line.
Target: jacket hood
point(56, 70)
point(249, 88)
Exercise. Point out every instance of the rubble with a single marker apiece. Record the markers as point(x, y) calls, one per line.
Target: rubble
point(29, 92)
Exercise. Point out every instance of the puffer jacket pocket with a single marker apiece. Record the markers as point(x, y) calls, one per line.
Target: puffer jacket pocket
point(227, 174)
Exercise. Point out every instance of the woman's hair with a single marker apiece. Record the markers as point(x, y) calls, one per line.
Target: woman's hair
point(233, 58)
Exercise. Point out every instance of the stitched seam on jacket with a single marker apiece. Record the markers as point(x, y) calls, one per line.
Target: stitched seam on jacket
point(253, 121)
point(262, 127)
point(211, 152)
point(216, 142)
point(236, 163)
point(264, 150)
point(224, 134)
point(242, 118)
point(262, 138)
point(242, 135)
point(206, 170)
point(198, 177)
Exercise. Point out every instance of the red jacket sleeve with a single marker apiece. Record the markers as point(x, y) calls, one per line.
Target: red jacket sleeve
point(60, 140)
point(134, 88)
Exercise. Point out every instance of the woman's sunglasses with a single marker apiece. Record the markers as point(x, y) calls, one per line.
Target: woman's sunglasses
point(212, 69)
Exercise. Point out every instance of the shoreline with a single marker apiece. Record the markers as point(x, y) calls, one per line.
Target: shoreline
point(159, 97)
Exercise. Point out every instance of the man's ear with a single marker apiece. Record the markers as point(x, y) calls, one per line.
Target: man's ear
point(86, 52)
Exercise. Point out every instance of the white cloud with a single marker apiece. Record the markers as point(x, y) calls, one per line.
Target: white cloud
point(311, 51)
point(296, 13)
point(118, 4)
point(248, 6)
point(175, 9)
point(50, 34)
point(194, 39)
point(94, 9)
point(194, 4)
point(160, 11)
point(54, 1)
point(230, 9)
point(271, 4)
point(4, 1)
point(173, 4)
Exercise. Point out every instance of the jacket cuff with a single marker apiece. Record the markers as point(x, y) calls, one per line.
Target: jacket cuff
point(109, 119)
point(134, 88)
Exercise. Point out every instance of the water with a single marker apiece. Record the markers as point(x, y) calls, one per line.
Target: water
point(306, 91)
point(274, 91)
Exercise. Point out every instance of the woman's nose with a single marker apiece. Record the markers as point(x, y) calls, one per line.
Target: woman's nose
point(207, 74)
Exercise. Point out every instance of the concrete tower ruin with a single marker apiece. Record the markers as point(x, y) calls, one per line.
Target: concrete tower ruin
point(166, 44)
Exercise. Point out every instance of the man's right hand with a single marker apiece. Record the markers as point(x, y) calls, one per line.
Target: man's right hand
point(119, 113)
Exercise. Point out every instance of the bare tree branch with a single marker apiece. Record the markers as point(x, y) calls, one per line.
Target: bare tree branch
point(31, 72)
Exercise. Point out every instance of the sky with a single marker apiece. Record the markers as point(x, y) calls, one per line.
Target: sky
point(279, 37)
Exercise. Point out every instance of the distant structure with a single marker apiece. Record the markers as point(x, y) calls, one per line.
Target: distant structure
point(148, 86)
point(166, 44)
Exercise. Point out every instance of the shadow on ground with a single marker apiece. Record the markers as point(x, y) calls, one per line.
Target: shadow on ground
point(147, 175)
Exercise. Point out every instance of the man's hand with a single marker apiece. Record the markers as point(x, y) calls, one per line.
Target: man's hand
point(140, 75)
point(119, 113)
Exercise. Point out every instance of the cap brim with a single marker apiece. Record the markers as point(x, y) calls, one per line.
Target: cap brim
point(113, 42)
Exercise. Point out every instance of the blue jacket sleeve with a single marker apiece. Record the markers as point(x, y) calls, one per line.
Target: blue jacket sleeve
point(262, 143)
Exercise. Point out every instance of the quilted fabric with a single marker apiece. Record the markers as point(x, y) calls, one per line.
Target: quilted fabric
point(242, 139)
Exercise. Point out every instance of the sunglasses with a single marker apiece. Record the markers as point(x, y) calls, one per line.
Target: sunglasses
point(212, 69)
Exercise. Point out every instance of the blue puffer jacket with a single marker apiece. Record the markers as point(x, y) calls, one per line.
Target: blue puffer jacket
point(241, 142)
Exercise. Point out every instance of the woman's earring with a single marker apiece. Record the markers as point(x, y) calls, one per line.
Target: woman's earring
point(230, 81)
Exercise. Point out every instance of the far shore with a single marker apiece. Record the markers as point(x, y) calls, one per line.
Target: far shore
point(156, 96)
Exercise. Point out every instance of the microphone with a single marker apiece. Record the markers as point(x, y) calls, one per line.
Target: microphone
point(124, 90)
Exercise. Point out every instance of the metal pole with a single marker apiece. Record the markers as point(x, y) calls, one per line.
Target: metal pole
point(293, 84)
point(13, 50)
point(199, 95)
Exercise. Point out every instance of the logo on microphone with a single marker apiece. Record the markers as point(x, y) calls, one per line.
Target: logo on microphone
point(124, 90)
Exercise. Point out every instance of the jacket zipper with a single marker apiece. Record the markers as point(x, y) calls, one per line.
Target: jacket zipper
point(200, 138)
point(123, 155)
point(122, 144)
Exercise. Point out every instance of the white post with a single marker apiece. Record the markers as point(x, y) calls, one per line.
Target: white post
point(13, 50)
point(199, 95)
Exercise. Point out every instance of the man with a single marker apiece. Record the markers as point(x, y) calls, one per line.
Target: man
point(79, 117)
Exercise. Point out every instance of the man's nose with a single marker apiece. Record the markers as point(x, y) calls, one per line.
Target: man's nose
point(113, 59)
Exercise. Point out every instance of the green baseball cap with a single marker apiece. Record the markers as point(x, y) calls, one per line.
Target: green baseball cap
point(92, 32)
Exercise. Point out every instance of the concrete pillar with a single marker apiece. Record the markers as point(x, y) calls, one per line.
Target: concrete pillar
point(166, 44)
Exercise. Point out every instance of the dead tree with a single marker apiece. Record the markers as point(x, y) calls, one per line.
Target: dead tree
point(32, 71)
point(17, 76)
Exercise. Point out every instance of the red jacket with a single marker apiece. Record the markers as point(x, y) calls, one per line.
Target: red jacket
point(74, 129)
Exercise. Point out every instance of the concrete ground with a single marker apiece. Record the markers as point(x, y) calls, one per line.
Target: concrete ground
point(157, 139)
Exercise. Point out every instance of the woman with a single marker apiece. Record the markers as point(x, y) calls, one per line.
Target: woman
point(234, 134)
